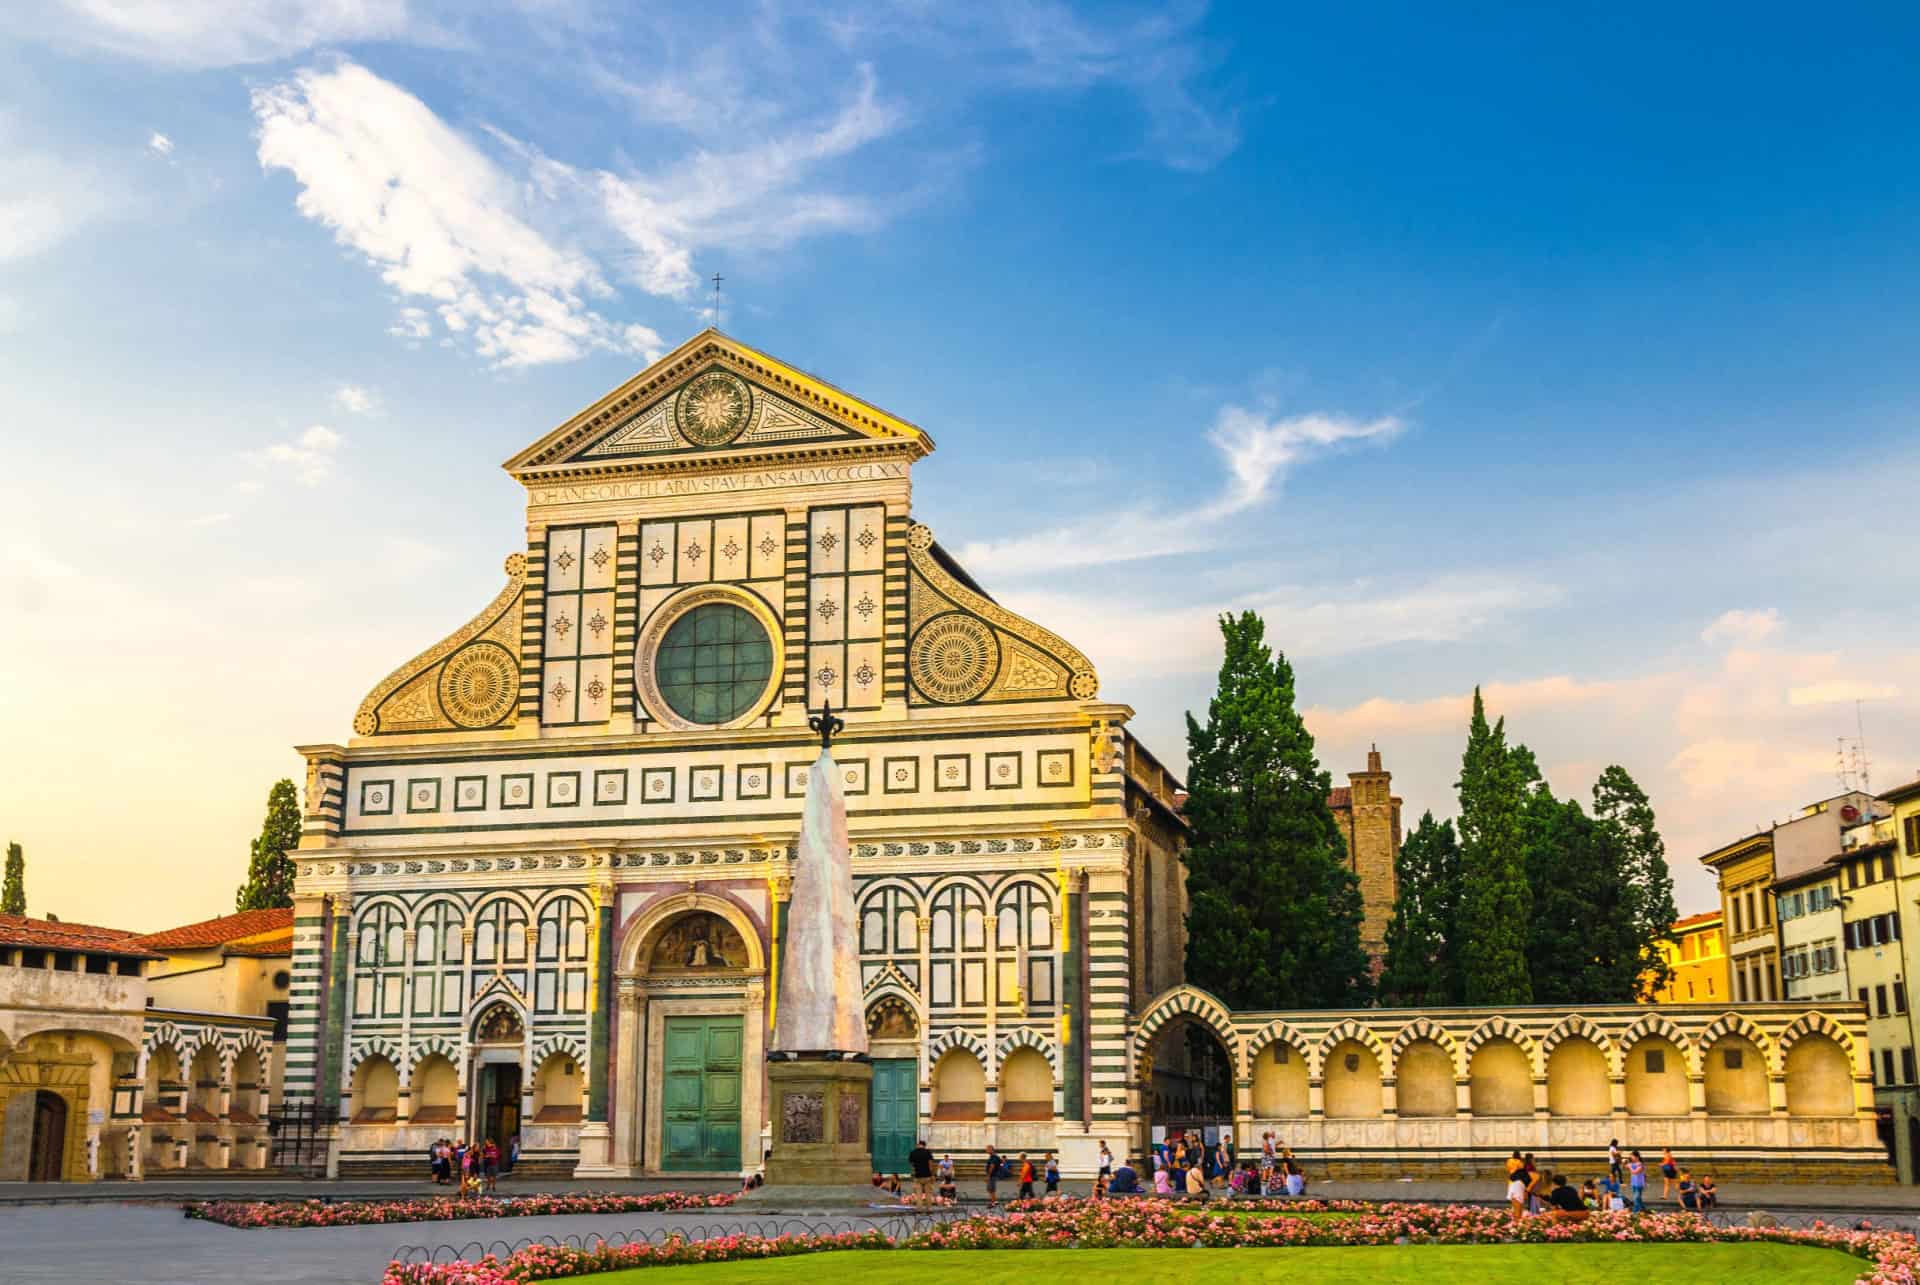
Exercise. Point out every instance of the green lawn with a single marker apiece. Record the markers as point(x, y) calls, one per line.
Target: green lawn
point(1601, 1264)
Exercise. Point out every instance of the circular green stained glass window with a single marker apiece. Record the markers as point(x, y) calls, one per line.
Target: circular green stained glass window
point(714, 663)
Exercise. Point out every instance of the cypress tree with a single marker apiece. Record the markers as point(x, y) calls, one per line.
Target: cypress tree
point(1496, 901)
point(270, 871)
point(1573, 942)
point(1274, 912)
point(1647, 912)
point(13, 894)
point(1422, 969)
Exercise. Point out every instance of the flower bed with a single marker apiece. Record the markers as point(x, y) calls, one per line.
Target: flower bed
point(1087, 1224)
point(353, 1213)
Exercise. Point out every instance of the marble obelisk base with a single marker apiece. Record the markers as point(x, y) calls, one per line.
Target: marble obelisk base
point(820, 1122)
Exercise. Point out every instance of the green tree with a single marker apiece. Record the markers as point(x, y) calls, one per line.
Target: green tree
point(1496, 901)
point(1573, 944)
point(13, 894)
point(270, 872)
point(1274, 912)
point(1422, 968)
point(1622, 809)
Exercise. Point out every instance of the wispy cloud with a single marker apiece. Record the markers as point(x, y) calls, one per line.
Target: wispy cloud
point(219, 33)
point(45, 196)
point(1742, 626)
point(436, 216)
point(1257, 449)
point(1841, 691)
point(158, 142)
point(309, 458)
point(356, 400)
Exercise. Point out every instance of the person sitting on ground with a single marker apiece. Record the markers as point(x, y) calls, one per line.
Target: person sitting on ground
point(1296, 1177)
point(1125, 1182)
point(1610, 1198)
point(1688, 1192)
point(1162, 1182)
point(948, 1191)
point(1590, 1194)
point(1709, 1194)
point(1565, 1202)
point(1197, 1183)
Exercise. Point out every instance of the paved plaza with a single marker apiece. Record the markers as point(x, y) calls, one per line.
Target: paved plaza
point(107, 1236)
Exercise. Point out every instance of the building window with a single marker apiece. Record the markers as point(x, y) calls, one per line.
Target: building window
point(1656, 1061)
point(1733, 1058)
point(1906, 1065)
point(1886, 866)
point(1880, 1000)
point(1899, 997)
point(1737, 922)
point(1886, 1066)
point(1853, 875)
point(1742, 976)
point(1865, 997)
point(1773, 980)
point(1912, 825)
point(714, 663)
point(1766, 910)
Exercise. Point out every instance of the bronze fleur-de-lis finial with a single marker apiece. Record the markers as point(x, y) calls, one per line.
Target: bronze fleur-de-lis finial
point(826, 724)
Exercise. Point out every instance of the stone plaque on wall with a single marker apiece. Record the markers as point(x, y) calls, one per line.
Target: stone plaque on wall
point(850, 1113)
point(802, 1117)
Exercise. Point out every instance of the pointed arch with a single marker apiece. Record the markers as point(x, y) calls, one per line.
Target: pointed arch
point(1574, 1026)
point(1499, 1028)
point(375, 1046)
point(1339, 1034)
point(1194, 1004)
point(1813, 1023)
point(1736, 1024)
point(1657, 1024)
point(563, 1043)
point(442, 1045)
point(958, 1037)
point(1027, 1037)
point(1275, 1032)
point(1423, 1029)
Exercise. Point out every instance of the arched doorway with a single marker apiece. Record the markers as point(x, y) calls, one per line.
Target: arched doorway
point(47, 1160)
point(499, 1039)
point(1187, 1085)
point(893, 1042)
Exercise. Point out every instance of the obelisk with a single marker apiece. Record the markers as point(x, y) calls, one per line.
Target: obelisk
point(817, 1068)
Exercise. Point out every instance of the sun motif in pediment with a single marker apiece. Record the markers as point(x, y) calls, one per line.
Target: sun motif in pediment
point(713, 409)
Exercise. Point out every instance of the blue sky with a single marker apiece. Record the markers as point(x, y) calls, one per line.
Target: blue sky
point(1569, 354)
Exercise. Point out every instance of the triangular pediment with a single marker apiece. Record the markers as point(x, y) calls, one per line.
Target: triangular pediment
point(714, 397)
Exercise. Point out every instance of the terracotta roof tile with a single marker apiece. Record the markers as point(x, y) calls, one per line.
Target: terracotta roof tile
point(281, 944)
point(1692, 921)
point(1340, 796)
point(54, 934)
point(218, 932)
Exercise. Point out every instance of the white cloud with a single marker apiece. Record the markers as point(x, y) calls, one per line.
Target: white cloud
point(1305, 622)
point(309, 458)
point(45, 197)
point(1840, 691)
point(1257, 449)
point(160, 143)
point(1742, 627)
point(356, 400)
point(219, 33)
point(434, 214)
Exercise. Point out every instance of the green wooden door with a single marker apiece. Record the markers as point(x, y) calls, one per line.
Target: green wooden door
point(700, 1100)
point(896, 1112)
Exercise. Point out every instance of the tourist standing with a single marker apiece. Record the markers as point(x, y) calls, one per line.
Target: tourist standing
point(1613, 1160)
point(993, 1177)
point(1105, 1177)
point(920, 1160)
point(1053, 1175)
point(1669, 1172)
point(1026, 1177)
point(1637, 1181)
point(490, 1164)
point(1517, 1192)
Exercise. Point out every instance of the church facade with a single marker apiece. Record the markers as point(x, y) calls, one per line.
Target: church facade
point(541, 890)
